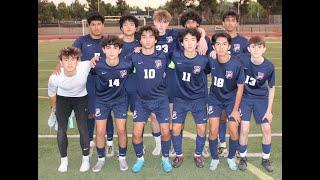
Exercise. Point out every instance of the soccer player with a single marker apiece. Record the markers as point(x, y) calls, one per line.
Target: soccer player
point(225, 93)
point(191, 78)
point(150, 68)
point(90, 46)
point(257, 98)
point(110, 94)
point(67, 92)
point(239, 44)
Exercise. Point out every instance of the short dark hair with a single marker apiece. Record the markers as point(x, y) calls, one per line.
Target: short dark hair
point(154, 31)
point(112, 40)
point(220, 34)
point(230, 13)
point(257, 40)
point(95, 17)
point(190, 15)
point(70, 51)
point(128, 17)
point(193, 32)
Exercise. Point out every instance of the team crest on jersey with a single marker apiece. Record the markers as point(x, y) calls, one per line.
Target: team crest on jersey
point(169, 39)
point(174, 115)
point(134, 114)
point(196, 69)
point(164, 75)
point(123, 73)
point(98, 113)
point(210, 109)
point(236, 48)
point(260, 75)
point(229, 74)
point(158, 64)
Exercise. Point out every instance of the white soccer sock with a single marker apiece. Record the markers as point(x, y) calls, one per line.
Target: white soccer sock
point(224, 144)
point(244, 154)
point(141, 158)
point(64, 160)
point(265, 156)
point(102, 159)
point(164, 158)
point(158, 141)
point(122, 157)
point(109, 143)
point(85, 158)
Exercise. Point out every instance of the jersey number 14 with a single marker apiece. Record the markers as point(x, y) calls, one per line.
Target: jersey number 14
point(116, 82)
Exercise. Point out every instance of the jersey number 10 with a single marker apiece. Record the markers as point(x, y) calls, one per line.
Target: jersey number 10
point(149, 73)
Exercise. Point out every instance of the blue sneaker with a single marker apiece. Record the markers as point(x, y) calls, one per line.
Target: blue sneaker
point(137, 166)
point(166, 166)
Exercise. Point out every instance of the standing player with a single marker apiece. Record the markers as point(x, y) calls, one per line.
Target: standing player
point(191, 71)
point(225, 93)
point(150, 67)
point(239, 44)
point(68, 92)
point(90, 46)
point(257, 99)
point(111, 96)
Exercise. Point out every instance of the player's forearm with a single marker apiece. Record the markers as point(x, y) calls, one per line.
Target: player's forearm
point(238, 97)
point(53, 101)
point(202, 32)
point(270, 98)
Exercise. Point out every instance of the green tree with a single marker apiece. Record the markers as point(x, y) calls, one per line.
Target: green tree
point(207, 9)
point(222, 7)
point(272, 6)
point(77, 10)
point(175, 7)
point(122, 7)
point(63, 11)
point(255, 10)
point(93, 5)
point(47, 12)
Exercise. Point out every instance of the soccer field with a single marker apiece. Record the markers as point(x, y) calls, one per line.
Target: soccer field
point(48, 153)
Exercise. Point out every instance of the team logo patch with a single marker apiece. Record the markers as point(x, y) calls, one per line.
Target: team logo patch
point(174, 115)
point(164, 75)
point(158, 64)
point(210, 109)
point(260, 75)
point(196, 69)
point(123, 73)
point(229, 74)
point(169, 39)
point(236, 48)
point(134, 114)
point(98, 113)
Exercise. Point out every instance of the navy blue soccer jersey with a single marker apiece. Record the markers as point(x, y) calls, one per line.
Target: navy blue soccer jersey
point(257, 78)
point(151, 75)
point(111, 79)
point(89, 47)
point(239, 45)
point(191, 76)
point(167, 42)
point(225, 77)
point(128, 47)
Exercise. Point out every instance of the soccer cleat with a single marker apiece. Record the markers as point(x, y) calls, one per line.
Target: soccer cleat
point(267, 165)
point(63, 165)
point(232, 164)
point(137, 166)
point(198, 161)
point(110, 152)
point(214, 164)
point(98, 166)
point(166, 166)
point(156, 151)
point(177, 161)
point(242, 163)
point(123, 164)
point(52, 119)
point(205, 152)
point(172, 153)
point(85, 165)
point(222, 151)
point(92, 146)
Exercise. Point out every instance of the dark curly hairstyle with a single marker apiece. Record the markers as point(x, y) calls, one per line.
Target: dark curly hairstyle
point(130, 18)
point(70, 51)
point(95, 17)
point(112, 40)
point(190, 15)
point(154, 31)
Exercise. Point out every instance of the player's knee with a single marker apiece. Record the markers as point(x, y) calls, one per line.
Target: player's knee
point(176, 129)
point(233, 133)
point(213, 134)
point(121, 131)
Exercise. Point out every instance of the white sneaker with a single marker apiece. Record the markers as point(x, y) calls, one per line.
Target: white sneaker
point(205, 152)
point(214, 164)
point(157, 150)
point(85, 165)
point(123, 164)
point(98, 166)
point(92, 146)
point(172, 153)
point(232, 164)
point(110, 152)
point(63, 165)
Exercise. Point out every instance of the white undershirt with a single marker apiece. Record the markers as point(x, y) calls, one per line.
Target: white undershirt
point(70, 86)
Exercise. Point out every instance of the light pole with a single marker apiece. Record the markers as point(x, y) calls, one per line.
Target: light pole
point(98, 6)
point(148, 8)
point(239, 3)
